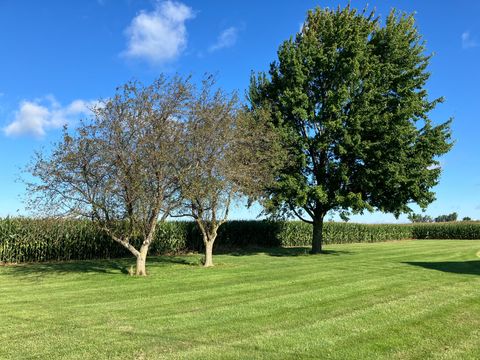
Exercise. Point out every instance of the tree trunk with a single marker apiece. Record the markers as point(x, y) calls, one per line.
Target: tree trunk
point(141, 260)
point(317, 235)
point(208, 252)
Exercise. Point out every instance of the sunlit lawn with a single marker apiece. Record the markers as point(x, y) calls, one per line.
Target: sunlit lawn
point(396, 300)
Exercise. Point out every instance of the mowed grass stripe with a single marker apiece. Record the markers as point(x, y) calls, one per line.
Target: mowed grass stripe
point(361, 300)
point(239, 291)
point(343, 326)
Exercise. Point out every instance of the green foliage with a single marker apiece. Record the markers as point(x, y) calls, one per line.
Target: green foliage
point(446, 218)
point(23, 240)
point(32, 240)
point(300, 234)
point(419, 218)
point(173, 237)
point(447, 230)
point(348, 95)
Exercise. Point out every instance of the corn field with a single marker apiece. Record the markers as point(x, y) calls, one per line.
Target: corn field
point(35, 240)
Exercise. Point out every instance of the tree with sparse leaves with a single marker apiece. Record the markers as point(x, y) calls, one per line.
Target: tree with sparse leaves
point(348, 96)
point(227, 153)
point(118, 169)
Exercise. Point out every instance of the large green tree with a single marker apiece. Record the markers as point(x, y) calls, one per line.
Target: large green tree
point(348, 96)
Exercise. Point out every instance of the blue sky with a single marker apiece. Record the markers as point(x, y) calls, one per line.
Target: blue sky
point(60, 56)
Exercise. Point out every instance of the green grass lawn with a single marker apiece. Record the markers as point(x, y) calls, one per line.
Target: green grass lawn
point(397, 300)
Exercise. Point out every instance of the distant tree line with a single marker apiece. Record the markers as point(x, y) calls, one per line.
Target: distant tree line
point(419, 218)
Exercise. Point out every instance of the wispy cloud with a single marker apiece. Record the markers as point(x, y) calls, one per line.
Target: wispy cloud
point(35, 117)
point(468, 41)
point(159, 35)
point(440, 165)
point(227, 38)
point(300, 26)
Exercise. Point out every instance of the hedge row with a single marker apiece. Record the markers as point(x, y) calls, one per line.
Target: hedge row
point(29, 240)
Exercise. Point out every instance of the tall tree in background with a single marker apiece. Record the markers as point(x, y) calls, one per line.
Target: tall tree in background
point(118, 168)
point(227, 153)
point(446, 218)
point(419, 218)
point(348, 96)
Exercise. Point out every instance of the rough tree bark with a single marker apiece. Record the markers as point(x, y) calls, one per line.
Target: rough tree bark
point(141, 260)
point(140, 255)
point(209, 232)
point(317, 237)
point(208, 251)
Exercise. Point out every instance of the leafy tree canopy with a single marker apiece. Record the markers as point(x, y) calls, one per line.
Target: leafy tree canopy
point(348, 97)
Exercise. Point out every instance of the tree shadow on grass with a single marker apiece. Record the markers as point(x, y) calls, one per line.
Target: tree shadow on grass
point(38, 270)
point(122, 266)
point(113, 266)
point(457, 267)
point(279, 251)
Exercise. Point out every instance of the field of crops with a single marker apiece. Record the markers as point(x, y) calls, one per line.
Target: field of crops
point(29, 240)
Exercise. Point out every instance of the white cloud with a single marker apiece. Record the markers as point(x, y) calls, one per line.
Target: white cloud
point(159, 35)
point(468, 41)
point(227, 38)
point(37, 116)
point(300, 26)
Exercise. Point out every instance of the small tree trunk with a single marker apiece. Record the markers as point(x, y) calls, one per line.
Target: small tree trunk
point(141, 260)
point(317, 237)
point(208, 252)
